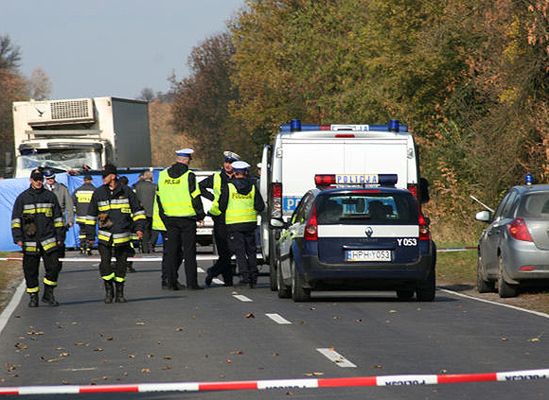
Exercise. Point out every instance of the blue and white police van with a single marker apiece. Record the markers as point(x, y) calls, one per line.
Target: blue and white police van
point(356, 236)
point(353, 153)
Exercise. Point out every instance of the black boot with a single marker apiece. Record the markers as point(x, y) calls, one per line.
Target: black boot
point(33, 300)
point(120, 293)
point(48, 296)
point(109, 292)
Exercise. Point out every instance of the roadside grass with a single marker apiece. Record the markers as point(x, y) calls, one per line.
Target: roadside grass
point(11, 273)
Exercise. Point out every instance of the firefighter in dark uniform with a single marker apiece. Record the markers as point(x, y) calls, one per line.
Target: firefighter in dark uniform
point(115, 208)
point(37, 227)
point(180, 208)
point(241, 202)
point(81, 199)
point(223, 264)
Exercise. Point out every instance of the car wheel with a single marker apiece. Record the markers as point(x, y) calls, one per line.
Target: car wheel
point(272, 268)
point(298, 292)
point(426, 289)
point(284, 291)
point(482, 285)
point(405, 294)
point(505, 290)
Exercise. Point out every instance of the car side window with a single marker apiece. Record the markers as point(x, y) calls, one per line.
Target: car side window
point(300, 211)
point(510, 205)
point(502, 205)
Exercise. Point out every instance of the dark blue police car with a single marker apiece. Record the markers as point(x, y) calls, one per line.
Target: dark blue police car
point(367, 238)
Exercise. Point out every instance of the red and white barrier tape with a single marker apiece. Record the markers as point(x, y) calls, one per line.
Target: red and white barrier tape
point(389, 380)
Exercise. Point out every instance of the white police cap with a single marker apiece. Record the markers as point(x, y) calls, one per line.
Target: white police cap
point(184, 152)
point(231, 156)
point(240, 165)
point(259, 165)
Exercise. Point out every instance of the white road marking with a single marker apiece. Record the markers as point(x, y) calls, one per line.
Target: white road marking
point(278, 319)
point(218, 281)
point(199, 269)
point(337, 358)
point(495, 303)
point(79, 369)
point(8, 311)
point(242, 298)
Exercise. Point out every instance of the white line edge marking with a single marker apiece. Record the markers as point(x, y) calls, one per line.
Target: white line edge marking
point(8, 311)
point(495, 303)
point(337, 358)
point(200, 269)
point(278, 319)
point(243, 298)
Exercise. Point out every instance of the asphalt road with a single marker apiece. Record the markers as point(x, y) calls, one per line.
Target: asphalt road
point(211, 335)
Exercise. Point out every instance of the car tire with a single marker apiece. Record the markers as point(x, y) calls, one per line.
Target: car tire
point(299, 294)
point(284, 291)
point(425, 290)
point(505, 290)
point(484, 286)
point(405, 294)
point(272, 264)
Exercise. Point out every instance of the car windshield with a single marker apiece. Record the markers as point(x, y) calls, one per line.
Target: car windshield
point(534, 205)
point(367, 207)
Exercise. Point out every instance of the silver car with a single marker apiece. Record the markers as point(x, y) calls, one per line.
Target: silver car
point(514, 247)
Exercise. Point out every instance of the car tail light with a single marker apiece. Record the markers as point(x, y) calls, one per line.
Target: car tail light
point(276, 197)
point(311, 229)
point(412, 188)
point(424, 232)
point(518, 230)
point(325, 180)
point(344, 135)
point(527, 268)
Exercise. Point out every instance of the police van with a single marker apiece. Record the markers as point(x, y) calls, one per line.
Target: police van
point(351, 153)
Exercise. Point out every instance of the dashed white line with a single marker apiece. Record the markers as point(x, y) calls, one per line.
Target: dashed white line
point(218, 281)
point(337, 358)
point(278, 319)
point(243, 298)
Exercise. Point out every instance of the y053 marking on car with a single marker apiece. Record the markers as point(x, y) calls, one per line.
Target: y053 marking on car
point(408, 242)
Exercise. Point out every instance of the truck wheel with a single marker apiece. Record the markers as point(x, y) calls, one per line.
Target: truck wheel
point(482, 285)
point(425, 290)
point(505, 290)
point(284, 291)
point(272, 267)
point(299, 293)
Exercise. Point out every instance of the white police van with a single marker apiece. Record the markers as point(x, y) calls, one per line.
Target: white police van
point(353, 153)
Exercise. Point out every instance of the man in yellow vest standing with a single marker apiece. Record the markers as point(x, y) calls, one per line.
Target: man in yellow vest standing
point(223, 264)
point(240, 201)
point(180, 208)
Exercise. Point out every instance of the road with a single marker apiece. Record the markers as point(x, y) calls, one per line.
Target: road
point(218, 335)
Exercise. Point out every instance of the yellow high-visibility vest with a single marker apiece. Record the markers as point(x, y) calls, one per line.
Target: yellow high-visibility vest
point(214, 209)
point(157, 223)
point(240, 207)
point(175, 196)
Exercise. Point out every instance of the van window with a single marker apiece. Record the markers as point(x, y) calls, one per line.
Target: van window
point(367, 208)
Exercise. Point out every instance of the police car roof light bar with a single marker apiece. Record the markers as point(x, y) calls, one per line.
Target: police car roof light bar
point(295, 125)
point(389, 180)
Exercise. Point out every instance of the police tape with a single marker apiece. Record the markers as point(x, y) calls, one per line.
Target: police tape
point(307, 383)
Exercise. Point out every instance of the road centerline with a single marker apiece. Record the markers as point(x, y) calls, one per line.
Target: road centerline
point(278, 319)
point(335, 357)
point(243, 298)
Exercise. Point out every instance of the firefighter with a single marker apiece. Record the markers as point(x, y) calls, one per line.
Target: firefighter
point(114, 207)
point(37, 227)
point(223, 264)
point(81, 199)
point(241, 202)
point(180, 208)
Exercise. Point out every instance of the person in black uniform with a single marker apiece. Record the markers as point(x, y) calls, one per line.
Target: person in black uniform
point(180, 208)
point(37, 227)
point(215, 181)
point(241, 201)
point(114, 207)
point(81, 199)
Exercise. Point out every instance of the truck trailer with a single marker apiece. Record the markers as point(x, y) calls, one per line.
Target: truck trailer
point(76, 134)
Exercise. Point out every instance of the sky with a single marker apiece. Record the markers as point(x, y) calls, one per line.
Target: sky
point(111, 47)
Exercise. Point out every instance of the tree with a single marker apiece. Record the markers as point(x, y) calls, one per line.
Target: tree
point(39, 85)
point(147, 94)
point(10, 55)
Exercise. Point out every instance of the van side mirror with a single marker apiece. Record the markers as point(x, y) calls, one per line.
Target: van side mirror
point(484, 216)
point(277, 223)
point(423, 190)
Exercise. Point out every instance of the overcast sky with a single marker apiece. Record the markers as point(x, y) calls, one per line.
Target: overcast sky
point(110, 47)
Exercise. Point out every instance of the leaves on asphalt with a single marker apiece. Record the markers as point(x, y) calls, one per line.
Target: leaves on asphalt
point(10, 367)
point(145, 371)
point(314, 373)
point(237, 352)
point(35, 333)
point(98, 349)
point(141, 323)
point(21, 346)
point(250, 315)
point(179, 329)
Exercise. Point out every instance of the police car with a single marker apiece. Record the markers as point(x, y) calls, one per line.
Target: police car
point(356, 237)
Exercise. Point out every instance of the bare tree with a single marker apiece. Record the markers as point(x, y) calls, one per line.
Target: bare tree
point(10, 55)
point(39, 84)
point(147, 94)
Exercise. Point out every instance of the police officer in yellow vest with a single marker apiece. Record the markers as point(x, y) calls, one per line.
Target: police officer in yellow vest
point(223, 264)
point(180, 208)
point(241, 201)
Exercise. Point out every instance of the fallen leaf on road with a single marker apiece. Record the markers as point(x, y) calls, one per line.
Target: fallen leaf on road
point(250, 315)
point(98, 349)
point(504, 339)
point(378, 366)
point(275, 354)
point(443, 371)
point(21, 346)
point(393, 311)
point(336, 317)
point(314, 373)
point(131, 356)
point(228, 361)
point(166, 367)
point(145, 371)
point(36, 333)
point(64, 354)
point(237, 352)
point(179, 329)
point(358, 320)
point(167, 357)
point(139, 323)
point(150, 355)
point(534, 340)
point(10, 367)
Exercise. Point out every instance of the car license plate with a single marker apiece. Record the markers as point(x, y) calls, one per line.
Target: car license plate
point(368, 255)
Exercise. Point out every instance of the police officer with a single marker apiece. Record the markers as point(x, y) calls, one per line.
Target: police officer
point(180, 208)
point(241, 201)
point(37, 227)
point(114, 207)
point(215, 181)
point(145, 190)
point(81, 199)
point(65, 202)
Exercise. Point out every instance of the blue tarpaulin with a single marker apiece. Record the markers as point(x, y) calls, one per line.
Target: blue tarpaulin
point(11, 188)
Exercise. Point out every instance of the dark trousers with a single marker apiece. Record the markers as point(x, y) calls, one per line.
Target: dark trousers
point(223, 264)
point(181, 235)
point(242, 243)
point(107, 270)
point(146, 243)
point(165, 262)
point(31, 263)
point(82, 236)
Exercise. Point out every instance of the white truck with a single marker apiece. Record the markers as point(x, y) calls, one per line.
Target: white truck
point(69, 134)
point(349, 153)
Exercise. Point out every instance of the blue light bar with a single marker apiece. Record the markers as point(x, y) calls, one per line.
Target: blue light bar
point(298, 126)
point(388, 179)
point(295, 125)
point(393, 125)
point(528, 179)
